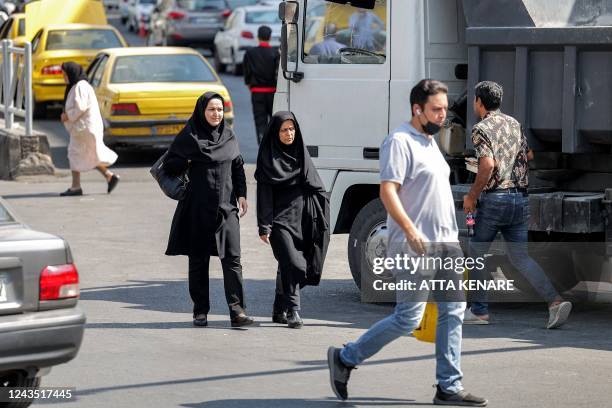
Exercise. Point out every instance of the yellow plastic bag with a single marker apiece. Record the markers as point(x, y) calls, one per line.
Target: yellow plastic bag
point(427, 329)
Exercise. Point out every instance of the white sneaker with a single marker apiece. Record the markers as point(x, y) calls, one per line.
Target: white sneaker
point(471, 318)
point(558, 314)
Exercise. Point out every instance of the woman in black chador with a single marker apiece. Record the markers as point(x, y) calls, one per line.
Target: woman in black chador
point(206, 222)
point(292, 214)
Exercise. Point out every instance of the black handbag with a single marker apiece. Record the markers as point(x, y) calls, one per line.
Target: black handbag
point(174, 187)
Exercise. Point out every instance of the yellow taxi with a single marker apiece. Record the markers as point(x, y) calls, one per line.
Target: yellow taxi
point(14, 29)
point(55, 44)
point(147, 94)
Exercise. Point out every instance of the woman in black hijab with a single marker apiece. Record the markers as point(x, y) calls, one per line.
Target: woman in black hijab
point(206, 222)
point(292, 214)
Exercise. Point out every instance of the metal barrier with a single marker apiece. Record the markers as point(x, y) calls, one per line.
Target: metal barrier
point(16, 77)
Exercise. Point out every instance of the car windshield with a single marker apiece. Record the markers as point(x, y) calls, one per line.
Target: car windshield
point(202, 5)
point(148, 1)
point(5, 217)
point(82, 40)
point(161, 68)
point(262, 17)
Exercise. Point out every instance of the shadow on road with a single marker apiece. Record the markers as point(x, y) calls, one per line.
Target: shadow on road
point(336, 303)
point(34, 195)
point(309, 366)
point(314, 403)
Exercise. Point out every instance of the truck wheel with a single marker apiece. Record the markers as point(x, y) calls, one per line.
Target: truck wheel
point(367, 240)
point(18, 379)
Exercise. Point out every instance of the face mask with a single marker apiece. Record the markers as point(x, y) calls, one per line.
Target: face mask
point(430, 128)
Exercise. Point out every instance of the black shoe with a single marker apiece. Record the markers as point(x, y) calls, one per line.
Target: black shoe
point(339, 373)
point(112, 183)
point(462, 398)
point(200, 320)
point(294, 321)
point(70, 192)
point(242, 320)
point(279, 317)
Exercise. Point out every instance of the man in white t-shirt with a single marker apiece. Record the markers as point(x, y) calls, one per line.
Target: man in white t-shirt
point(416, 193)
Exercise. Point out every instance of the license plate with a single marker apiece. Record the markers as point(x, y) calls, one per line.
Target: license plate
point(3, 295)
point(166, 129)
point(204, 20)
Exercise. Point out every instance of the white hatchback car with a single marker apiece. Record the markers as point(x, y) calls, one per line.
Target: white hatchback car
point(240, 34)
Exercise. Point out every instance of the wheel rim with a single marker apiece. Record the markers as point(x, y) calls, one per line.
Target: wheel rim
point(376, 243)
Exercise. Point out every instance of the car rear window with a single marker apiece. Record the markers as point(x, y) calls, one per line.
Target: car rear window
point(82, 40)
point(262, 17)
point(202, 5)
point(241, 3)
point(161, 68)
point(5, 217)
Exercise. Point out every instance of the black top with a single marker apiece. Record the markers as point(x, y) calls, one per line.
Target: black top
point(199, 141)
point(206, 221)
point(284, 174)
point(261, 66)
point(291, 201)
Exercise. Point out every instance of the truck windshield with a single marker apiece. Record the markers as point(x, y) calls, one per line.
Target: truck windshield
point(343, 34)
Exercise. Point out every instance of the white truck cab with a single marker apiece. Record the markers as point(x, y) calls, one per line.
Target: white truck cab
point(347, 102)
point(347, 71)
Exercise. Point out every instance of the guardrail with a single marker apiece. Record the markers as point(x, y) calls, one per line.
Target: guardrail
point(16, 84)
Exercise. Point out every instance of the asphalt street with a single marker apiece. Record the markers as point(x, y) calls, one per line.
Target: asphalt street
point(141, 350)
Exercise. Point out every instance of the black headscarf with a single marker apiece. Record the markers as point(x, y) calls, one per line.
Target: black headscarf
point(202, 142)
point(285, 165)
point(75, 73)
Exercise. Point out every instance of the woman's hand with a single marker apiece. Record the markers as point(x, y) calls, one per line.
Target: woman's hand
point(265, 238)
point(64, 117)
point(243, 205)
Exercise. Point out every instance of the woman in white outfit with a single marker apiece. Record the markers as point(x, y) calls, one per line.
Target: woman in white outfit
point(83, 121)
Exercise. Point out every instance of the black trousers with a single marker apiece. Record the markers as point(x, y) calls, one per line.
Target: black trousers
point(262, 111)
point(291, 266)
point(232, 282)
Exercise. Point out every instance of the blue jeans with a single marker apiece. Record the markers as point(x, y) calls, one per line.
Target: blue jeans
point(508, 213)
point(403, 321)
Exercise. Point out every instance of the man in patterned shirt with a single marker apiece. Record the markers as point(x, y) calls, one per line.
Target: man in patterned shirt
point(503, 205)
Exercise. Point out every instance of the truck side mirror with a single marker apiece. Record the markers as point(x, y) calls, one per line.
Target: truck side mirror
point(288, 12)
point(289, 52)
